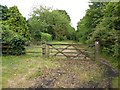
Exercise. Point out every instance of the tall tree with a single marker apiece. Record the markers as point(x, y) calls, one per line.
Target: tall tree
point(102, 23)
point(50, 21)
point(90, 20)
point(65, 13)
point(107, 30)
point(17, 22)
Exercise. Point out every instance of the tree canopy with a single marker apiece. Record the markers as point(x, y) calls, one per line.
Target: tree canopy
point(101, 23)
point(54, 22)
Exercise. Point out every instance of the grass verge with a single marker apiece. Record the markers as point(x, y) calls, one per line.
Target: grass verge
point(115, 65)
point(15, 68)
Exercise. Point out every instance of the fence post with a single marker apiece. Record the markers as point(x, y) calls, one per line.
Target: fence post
point(0, 47)
point(48, 51)
point(43, 49)
point(96, 50)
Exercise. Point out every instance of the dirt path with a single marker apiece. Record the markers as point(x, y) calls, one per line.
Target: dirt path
point(74, 74)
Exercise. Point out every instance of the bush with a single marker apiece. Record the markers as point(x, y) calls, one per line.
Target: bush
point(46, 37)
point(12, 43)
point(17, 46)
point(14, 47)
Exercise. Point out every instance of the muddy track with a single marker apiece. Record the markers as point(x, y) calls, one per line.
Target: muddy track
point(76, 74)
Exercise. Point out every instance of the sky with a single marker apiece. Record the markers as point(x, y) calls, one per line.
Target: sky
point(75, 8)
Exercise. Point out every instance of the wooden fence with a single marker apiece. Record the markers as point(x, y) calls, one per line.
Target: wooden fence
point(4, 48)
point(70, 51)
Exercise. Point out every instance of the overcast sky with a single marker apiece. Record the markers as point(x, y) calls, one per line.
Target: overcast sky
point(75, 8)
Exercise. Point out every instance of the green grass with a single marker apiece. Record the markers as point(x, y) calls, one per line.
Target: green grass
point(13, 66)
point(111, 60)
point(34, 48)
point(115, 82)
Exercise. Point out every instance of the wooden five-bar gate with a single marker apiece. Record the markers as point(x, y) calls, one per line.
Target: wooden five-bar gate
point(71, 51)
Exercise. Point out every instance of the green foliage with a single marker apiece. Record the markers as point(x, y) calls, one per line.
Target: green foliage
point(17, 46)
point(81, 33)
point(6, 34)
point(14, 31)
point(54, 22)
point(87, 25)
point(102, 23)
point(14, 43)
point(46, 37)
point(71, 35)
point(106, 31)
point(17, 22)
point(3, 12)
point(64, 13)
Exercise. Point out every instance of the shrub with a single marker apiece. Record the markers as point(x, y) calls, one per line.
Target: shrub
point(46, 37)
point(12, 43)
point(17, 46)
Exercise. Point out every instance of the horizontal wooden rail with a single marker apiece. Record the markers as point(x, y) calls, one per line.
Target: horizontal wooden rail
point(34, 47)
point(65, 56)
point(68, 48)
point(5, 47)
point(32, 52)
point(71, 44)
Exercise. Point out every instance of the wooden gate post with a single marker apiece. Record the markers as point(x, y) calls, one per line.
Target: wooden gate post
point(43, 49)
point(47, 50)
point(96, 50)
